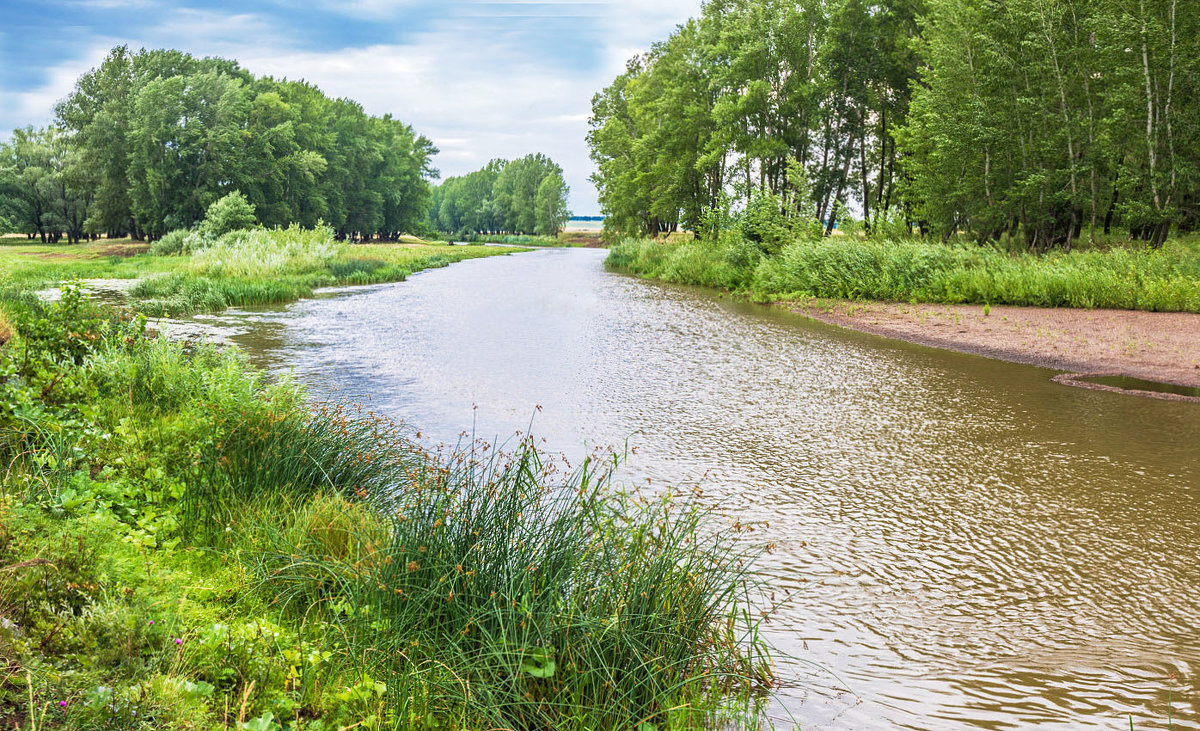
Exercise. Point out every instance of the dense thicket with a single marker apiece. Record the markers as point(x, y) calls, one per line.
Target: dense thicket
point(148, 140)
point(1033, 118)
point(523, 196)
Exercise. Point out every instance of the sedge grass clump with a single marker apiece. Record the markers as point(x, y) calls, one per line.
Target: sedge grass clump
point(508, 596)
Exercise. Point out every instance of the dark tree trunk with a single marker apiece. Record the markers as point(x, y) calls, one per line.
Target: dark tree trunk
point(1112, 207)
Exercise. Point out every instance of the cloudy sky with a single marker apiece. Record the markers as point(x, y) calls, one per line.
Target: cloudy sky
point(482, 79)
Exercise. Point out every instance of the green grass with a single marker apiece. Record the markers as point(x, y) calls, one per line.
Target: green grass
point(187, 544)
point(1131, 277)
point(242, 269)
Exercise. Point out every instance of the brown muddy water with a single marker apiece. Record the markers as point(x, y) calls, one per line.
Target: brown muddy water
point(971, 545)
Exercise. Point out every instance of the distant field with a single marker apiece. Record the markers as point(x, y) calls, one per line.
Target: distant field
point(574, 226)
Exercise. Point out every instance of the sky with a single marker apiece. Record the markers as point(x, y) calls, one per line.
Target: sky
point(482, 79)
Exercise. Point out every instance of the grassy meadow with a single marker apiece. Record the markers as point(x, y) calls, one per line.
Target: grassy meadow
point(241, 268)
point(847, 267)
point(185, 544)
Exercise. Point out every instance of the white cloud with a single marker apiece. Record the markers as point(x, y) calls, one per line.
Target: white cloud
point(477, 95)
point(480, 97)
point(36, 106)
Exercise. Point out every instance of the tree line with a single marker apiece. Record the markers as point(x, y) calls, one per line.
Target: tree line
point(523, 196)
point(1041, 120)
point(148, 140)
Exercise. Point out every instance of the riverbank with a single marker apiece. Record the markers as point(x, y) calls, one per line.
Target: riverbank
point(1155, 346)
point(576, 239)
point(185, 543)
point(243, 268)
point(919, 271)
point(1131, 312)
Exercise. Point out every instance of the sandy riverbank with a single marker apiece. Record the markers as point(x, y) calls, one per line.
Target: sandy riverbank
point(1157, 346)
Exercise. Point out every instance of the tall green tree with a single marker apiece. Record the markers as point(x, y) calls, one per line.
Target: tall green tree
point(157, 136)
point(38, 195)
point(522, 196)
point(551, 212)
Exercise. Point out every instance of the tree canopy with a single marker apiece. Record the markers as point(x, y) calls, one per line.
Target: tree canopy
point(523, 196)
point(147, 141)
point(1032, 118)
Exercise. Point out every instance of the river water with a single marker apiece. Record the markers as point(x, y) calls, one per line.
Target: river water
point(971, 545)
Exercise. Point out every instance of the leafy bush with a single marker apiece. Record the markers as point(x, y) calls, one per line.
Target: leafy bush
point(231, 213)
point(171, 243)
point(764, 223)
point(181, 241)
point(261, 254)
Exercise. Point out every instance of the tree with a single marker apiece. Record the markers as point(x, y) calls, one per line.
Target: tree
point(158, 136)
point(37, 193)
point(504, 196)
point(718, 112)
point(552, 213)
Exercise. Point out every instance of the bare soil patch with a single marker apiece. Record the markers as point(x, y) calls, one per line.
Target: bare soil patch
point(1156, 346)
point(124, 250)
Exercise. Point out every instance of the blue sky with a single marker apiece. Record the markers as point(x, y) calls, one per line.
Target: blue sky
point(482, 79)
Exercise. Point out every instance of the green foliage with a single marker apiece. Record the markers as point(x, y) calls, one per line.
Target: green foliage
point(522, 196)
point(795, 100)
point(766, 223)
point(261, 266)
point(1166, 279)
point(39, 193)
point(1046, 119)
point(185, 543)
point(181, 241)
point(229, 214)
point(1044, 122)
point(156, 137)
point(551, 204)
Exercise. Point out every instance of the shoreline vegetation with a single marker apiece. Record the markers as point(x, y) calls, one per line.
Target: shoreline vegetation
point(1017, 140)
point(237, 269)
point(185, 543)
point(1162, 279)
point(1085, 311)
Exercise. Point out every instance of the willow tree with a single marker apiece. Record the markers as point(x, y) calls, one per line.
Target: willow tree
point(550, 203)
point(159, 135)
point(38, 194)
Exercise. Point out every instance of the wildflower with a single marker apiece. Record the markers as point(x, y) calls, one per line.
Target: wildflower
point(152, 621)
point(62, 704)
point(179, 640)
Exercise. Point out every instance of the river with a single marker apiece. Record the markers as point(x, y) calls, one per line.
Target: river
point(970, 545)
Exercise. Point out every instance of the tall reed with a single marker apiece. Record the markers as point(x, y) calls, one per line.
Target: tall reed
point(1166, 279)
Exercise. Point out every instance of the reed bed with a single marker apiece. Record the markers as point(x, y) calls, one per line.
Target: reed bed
point(1135, 278)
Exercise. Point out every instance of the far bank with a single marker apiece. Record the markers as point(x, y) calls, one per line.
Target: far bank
point(1123, 311)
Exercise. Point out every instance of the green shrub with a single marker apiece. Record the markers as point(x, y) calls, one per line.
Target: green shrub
point(170, 243)
point(181, 241)
point(231, 213)
point(764, 223)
